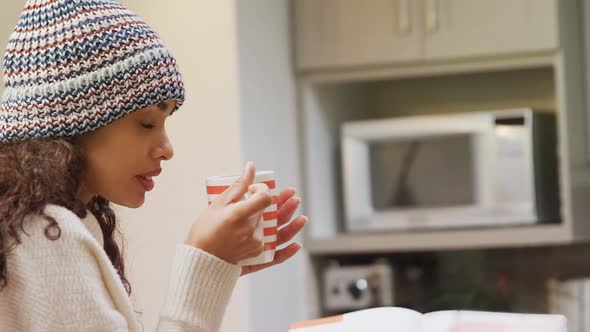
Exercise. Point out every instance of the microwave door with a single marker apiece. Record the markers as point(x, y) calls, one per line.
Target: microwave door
point(427, 173)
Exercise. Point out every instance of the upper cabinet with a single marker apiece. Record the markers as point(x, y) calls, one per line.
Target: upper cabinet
point(461, 28)
point(356, 32)
point(341, 33)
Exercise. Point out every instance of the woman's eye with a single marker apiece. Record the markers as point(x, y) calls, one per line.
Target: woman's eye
point(147, 125)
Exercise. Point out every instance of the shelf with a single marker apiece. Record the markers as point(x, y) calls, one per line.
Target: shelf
point(533, 235)
point(430, 69)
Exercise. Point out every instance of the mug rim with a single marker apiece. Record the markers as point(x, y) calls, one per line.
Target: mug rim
point(222, 177)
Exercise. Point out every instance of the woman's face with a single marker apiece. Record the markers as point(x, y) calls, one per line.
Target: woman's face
point(124, 156)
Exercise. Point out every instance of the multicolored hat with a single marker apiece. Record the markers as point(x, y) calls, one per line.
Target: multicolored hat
point(72, 66)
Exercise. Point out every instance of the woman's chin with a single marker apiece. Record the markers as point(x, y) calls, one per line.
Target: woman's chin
point(132, 203)
point(136, 204)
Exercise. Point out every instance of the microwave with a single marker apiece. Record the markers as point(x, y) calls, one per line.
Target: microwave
point(494, 168)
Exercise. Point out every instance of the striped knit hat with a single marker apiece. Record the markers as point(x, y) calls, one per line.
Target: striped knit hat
point(72, 66)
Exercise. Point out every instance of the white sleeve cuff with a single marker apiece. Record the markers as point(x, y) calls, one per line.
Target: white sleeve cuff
point(200, 288)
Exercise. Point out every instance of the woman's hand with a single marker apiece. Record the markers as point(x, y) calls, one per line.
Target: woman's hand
point(226, 229)
point(287, 204)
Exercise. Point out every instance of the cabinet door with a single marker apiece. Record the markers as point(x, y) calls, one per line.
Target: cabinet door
point(332, 33)
point(459, 28)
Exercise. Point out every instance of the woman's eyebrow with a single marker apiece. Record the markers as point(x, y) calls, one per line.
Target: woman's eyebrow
point(163, 106)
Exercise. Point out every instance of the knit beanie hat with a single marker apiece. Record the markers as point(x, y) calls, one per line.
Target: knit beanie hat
point(72, 66)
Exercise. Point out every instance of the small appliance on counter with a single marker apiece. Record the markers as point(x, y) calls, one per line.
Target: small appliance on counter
point(493, 168)
point(348, 288)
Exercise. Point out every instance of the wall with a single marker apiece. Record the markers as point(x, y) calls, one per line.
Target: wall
point(9, 14)
point(269, 137)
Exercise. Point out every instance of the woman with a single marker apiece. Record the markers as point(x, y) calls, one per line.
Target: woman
point(88, 89)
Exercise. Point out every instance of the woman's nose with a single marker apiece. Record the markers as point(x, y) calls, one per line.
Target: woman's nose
point(165, 150)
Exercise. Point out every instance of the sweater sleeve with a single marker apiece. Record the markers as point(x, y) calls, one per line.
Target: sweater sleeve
point(200, 288)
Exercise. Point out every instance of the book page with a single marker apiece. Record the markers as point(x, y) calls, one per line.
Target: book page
point(385, 319)
point(479, 321)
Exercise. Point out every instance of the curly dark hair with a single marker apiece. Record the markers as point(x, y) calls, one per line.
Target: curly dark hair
point(34, 173)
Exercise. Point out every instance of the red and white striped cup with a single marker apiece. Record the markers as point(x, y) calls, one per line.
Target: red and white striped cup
point(267, 228)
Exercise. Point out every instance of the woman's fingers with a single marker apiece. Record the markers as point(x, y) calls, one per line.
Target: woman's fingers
point(286, 253)
point(280, 256)
point(285, 195)
point(285, 212)
point(240, 187)
point(285, 234)
point(288, 232)
point(259, 200)
point(254, 204)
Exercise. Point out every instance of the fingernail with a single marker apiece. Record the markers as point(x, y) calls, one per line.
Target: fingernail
point(246, 167)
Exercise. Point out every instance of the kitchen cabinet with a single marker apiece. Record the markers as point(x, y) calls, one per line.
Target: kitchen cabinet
point(353, 33)
point(464, 28)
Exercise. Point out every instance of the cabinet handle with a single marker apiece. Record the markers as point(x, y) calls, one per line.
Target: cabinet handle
point(432, 16)
point(404, 16)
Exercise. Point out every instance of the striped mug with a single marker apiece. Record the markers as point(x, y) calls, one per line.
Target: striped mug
point(267, 227)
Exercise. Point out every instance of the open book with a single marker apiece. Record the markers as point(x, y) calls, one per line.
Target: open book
point(392, 319)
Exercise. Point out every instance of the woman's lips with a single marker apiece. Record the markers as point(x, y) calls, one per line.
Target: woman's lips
point(146, 182)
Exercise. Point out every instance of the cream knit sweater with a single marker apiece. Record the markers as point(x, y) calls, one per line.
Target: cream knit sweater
point(70, 284)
